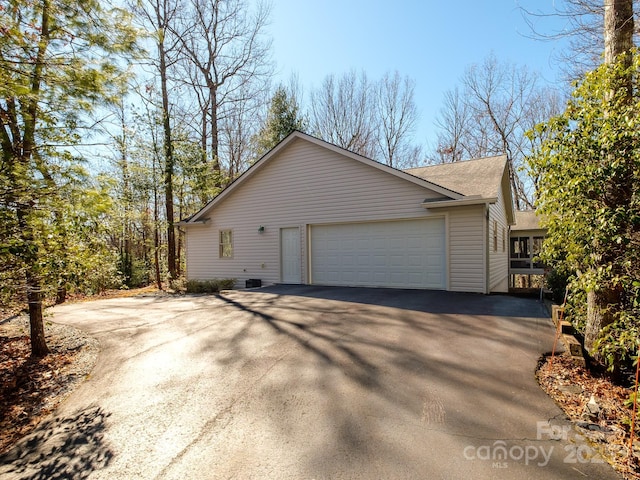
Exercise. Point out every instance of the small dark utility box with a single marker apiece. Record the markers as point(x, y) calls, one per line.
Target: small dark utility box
point(253, 283)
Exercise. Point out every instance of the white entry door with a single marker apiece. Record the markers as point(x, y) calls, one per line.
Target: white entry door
point(290, 255)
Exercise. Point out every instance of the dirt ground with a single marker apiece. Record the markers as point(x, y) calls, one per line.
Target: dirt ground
point(608, 425)
point(31, 388)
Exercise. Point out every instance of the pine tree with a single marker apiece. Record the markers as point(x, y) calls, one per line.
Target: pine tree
point(56, 66)
point(282, 119)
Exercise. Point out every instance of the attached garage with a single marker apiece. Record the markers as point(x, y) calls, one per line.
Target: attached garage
point(401, 254)
point(309, 212)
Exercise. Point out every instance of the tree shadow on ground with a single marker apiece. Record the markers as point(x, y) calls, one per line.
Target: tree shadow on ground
point(396, 353)
point(61, 448)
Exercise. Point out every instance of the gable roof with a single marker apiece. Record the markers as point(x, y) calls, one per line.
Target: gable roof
point(480, 181)
point(480, 177)
point(466, 182)
point(297, 135)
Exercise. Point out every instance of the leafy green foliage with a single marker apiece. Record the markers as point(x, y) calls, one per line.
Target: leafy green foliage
point(210, 286)
point(57, 64)
point(557, 281)
point(282, 119)
point(588, 171)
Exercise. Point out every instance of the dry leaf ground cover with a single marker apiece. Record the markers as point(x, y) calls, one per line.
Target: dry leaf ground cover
point(572, 386)
point(31, 388)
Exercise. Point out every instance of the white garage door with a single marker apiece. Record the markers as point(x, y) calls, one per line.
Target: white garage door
point(402, 254)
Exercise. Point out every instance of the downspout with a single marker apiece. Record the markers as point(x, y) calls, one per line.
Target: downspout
point(309, 279)
point(487, 277)
point(509, 258)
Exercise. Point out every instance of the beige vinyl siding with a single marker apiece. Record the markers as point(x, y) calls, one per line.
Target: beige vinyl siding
point(467, 249)
point(304, 184)
point(499, 260)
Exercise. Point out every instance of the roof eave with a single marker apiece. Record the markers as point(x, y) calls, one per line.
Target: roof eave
point(467, 201)
point(192, 223)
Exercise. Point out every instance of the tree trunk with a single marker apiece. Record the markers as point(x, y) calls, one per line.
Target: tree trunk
point(156, 236)
point(618, 30)
point(34, 297)
point(156, 258)
point(179, 236)
point(214, 134)
point(61, 295)
point(618, 39)
point(34, 289)
point(169, 162)
point(204, 136)
point(31, 255)
point(601, 306)
point(156, 230)
point(179, 253)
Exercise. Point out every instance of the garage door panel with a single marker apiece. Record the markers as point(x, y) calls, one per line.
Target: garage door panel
point(415, 242)
point(348, 260)
point(404, 254)
point(416, 260)
point(379, 260)
point(435, 262)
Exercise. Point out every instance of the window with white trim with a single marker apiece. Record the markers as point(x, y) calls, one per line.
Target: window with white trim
point(226, 244)
point(495, 235)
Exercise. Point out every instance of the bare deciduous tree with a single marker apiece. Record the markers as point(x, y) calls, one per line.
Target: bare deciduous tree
point(161, 15)
point(583, 27)
point(498, 103)
point(223, 42)
point(397, 114)
point(342, 113)
point(238, 127)
point(454, 121)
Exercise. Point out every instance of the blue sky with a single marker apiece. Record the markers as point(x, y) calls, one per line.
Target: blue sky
point(431, 42)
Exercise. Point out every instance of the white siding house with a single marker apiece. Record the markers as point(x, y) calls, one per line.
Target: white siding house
point(310, 212)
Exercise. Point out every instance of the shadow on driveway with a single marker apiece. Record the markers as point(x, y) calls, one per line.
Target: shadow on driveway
point(456, 370)
point(292, 382)
point(75, 449)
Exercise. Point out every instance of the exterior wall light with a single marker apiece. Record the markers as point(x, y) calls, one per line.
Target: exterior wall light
point(261, 229)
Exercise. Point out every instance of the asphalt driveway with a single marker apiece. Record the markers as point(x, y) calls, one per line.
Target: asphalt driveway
point(310, 383)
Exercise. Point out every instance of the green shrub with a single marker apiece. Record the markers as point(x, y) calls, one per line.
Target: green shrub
point(210, 286)
point(557, 281)
point(576, 309)
point(227, 283)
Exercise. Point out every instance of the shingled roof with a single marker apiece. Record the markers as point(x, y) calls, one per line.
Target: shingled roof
point(527, 220)
point(481, 177)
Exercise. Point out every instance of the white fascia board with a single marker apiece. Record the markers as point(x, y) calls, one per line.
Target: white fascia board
point(194, 223)
point(459, 203)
